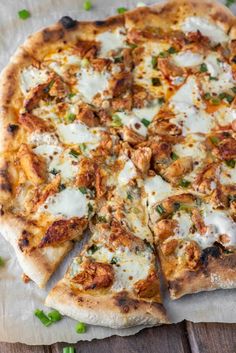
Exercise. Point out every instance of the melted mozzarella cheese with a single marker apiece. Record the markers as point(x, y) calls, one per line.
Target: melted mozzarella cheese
point(79, 133)
point(68, 203)
point(91, 82)
point(188, 59)
point(225, 115)
point(157, 189)
point(192, 146)
point(184, 224)
point(208, 29)
point(48, 151)
point(189, 109)
point(227, 175)
point(111, 41)
point(46, 138)
point(127, 173)
point(32, 77)
point(133, 122)
point(147, 112)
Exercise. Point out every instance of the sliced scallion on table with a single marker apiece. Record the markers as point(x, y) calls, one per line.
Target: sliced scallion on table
point(54, 316)
point(2, 262)
point(87, 5)
point(69, 350)
point(121, 10)
point(24, 14)
point(40, 314)
point(80, 327)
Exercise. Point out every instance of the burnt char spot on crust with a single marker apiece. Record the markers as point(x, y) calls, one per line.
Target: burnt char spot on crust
point(52, 35)
point(100, 23)
point(125, 303)
point(4, 183)
point(213, 251)
point(12, 128)
point(23, 241)
point(67, 22)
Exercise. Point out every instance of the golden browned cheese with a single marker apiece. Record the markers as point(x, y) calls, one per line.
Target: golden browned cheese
point(33, 166)
point(95, 275)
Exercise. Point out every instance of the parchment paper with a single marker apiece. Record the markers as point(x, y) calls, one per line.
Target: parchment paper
point(17, 300)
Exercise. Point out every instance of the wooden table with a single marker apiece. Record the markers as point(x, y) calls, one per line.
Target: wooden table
point(185, 337)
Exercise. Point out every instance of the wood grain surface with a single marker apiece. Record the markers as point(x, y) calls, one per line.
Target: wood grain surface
point(185, 337)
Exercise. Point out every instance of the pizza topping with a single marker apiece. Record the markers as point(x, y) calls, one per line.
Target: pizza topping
point(188, 59)
point(148, 287)
point(33, 123)
point(111, 41)
point(208, 29)
point(127, 173)
point(31, 77)
point(142, 158)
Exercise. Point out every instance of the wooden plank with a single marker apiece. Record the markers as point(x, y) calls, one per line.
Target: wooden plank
point(22, 348)
point(212, 337)
point(163, 339)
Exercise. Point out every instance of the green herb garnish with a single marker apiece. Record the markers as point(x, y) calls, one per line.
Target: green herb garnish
point(102, 219)
point(54, 171)
point(121, 10)
point(54, 316)
point(129, 196)
point(2, 262)
point(215, 140)
point(24, 14)
point(184, 183)
point(43, 317)
point(230, 163)
point(90, 209)
point(70, 117)
point(118, 59)
point(71, 95)
point(80, 327)
point(132, 45)
point(154, 62)
point(87, 5)
point(92, 249)
point(233, 89)
point(69, 350)
point(114, 261)
point(156, 82)
point(163, 54)
point(116, 121)
point(82, 146)
point(83, 190)
point(212, 78)
point(161, 100)
point(160, 209)
point(203, 68)
point(207, 96)
point(172, 50)
point(215, 101)
point(62, 187)
point(174, 156)
point(228, 3)
point(74, 153)
point(145, 122)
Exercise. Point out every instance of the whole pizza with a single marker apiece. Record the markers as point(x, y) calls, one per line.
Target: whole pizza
point(125, 127)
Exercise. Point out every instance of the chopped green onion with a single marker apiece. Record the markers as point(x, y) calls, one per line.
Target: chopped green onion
point(23, 14)
point(212, 78)
point(230, 163)
point(42, 317)
point(83, 190)
point(69, 350)
point(129, 196)
point(114, 261)
point(207, 96)
point(62, 187)
point(87, 5)
point(54, 316)
point(90, 209)
point(161, 100)
point(160, 209)
point(215, 140)
point(156, 82)
point(54, 171)
point(234, 89)
point(49, 86)
point(74, 153)
point(80, 327)
point(2, 262)
point(176, 206)
point(121, 10)
point(232, 198)
point(102, 219)
point(172, 50)
point(82, 146)
point(70, 117)
point(118, 59)
point(145, 122)
point(154, 62)
point(203, 68)
point(184, 183)
point(215, 101)
point(164, 54)
point(133, 46)
point(228, 3)
point(229, 98)
point(116, 121)
point(71, 95)
point(93, 248)
point(174, 156)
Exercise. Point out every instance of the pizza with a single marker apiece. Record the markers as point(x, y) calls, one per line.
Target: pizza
point(127, 128)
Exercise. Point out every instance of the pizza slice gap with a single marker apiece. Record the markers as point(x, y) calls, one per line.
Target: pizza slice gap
point(196, 245)
point(113, 282)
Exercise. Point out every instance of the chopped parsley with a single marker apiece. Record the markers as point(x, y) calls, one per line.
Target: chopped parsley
point(80, 327)
point(163, 54)
point(102, 219)
point(228, 97)
point(40, 314)
point(184, 183)
point(83, 190)
point(207, 96)
point(230, 163)
point(24, 14)
point(71, 95)
point(87, 5)
point(160, 209)
point(54, 171)
point(90, 209)
point(116, 121)
point(132, 45)
point(203, 67)
point(121, 10)
point(212, 78)
point(114, 261)
point(145, 122)
point(74, 153)
point(215, 101)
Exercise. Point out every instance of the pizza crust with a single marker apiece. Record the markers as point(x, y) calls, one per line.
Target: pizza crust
point(216, 274)
point(113, 310)
point(38, 264)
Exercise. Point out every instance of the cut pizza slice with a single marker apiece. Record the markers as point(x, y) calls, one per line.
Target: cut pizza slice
point(113, 282)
